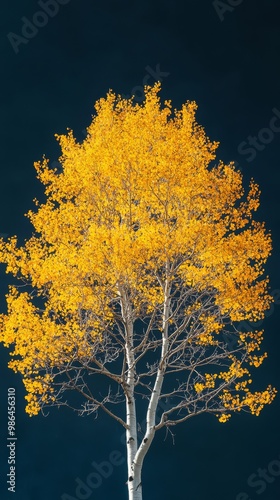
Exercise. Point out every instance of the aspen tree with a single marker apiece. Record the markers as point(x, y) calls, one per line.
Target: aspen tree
point(143, 254)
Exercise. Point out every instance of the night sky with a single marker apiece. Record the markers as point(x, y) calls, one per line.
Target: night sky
point(223, 55)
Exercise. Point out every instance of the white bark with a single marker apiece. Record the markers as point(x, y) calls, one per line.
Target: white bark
point(134, 474)
point(135, 454)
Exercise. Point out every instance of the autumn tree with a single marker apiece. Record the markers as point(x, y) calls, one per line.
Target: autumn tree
point(144, 253)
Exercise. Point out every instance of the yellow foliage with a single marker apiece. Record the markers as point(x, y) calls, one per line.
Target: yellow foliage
point(254, 401)
point(136, 193)
point(224, 417)
point(199, 387)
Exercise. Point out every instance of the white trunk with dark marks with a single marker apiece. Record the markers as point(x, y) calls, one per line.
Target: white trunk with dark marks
point(135, 453)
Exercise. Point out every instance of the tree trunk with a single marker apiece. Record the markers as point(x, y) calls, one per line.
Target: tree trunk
point(135, 453)
point(134, 483)
point(134, 469)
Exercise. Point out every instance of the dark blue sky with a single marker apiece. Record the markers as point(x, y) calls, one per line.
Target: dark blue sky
point(223, 55)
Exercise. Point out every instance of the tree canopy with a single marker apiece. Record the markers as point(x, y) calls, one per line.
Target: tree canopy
point(139, 221)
